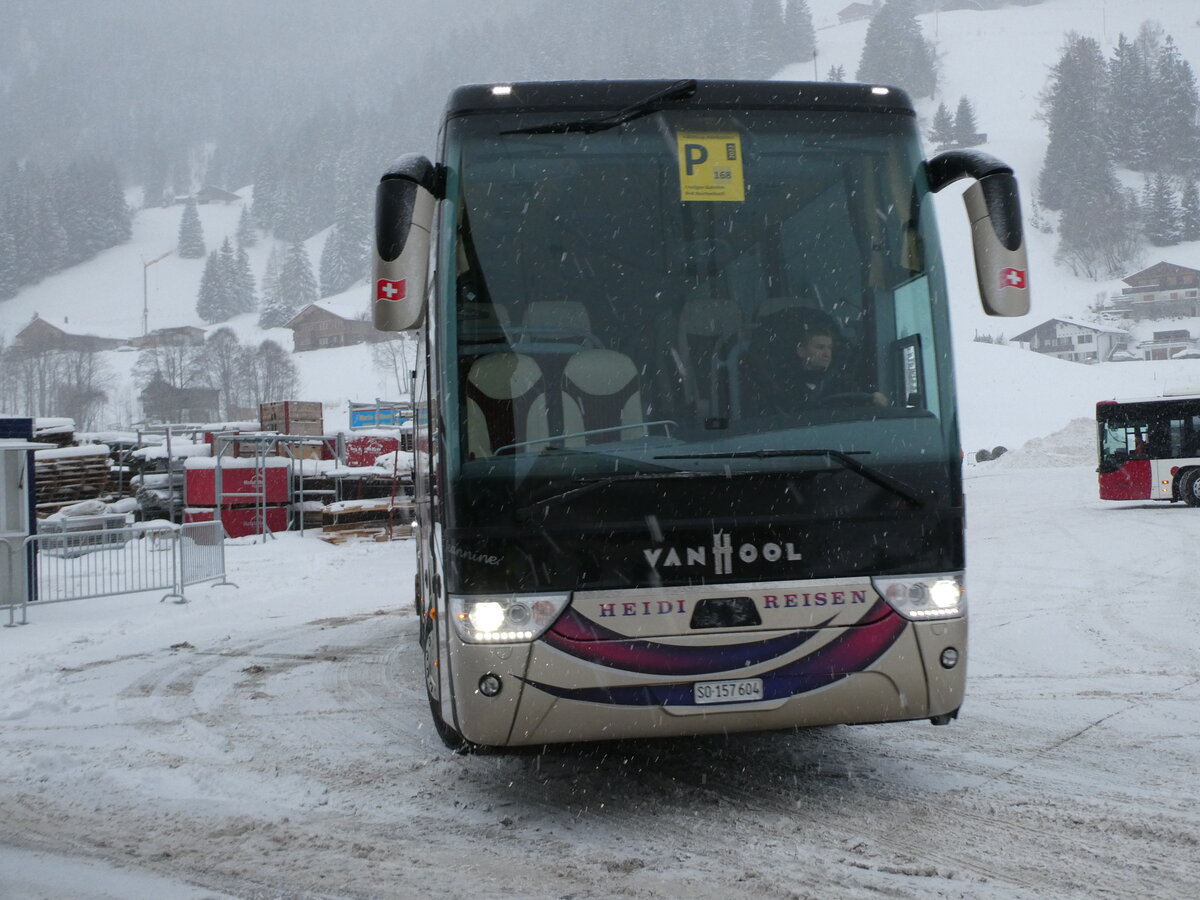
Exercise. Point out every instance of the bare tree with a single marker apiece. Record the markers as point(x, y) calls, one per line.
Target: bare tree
point(224, 359)
point(34, 374)
point(83, 382)
point(269, 373)
point(392, 357)
point(177, 363)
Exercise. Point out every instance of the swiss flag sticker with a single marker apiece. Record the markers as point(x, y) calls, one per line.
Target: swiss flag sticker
point(391, 290)
point(1012, 278)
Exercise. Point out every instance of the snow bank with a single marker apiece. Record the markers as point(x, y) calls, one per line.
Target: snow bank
point(1074, 445)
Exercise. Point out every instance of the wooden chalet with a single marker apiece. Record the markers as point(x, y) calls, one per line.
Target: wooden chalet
point(165, 403)
point(40, 336)
point(1176, 343)
point(181, 336)
point(316, 327)
point(212, 194)
point(1073, 341)
point(1163, 291)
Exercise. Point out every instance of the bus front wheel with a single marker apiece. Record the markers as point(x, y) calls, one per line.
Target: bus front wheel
point(449, 735)
point(1189, 487)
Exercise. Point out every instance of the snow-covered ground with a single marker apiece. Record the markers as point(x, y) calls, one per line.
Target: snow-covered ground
point(273, 741)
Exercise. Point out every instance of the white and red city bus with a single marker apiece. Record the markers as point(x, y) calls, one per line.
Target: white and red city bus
point(1150, 449)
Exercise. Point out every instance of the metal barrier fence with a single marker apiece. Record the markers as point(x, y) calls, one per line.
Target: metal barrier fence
point(154, 556)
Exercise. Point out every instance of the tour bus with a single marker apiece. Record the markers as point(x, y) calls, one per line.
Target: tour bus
point(1150, 449)
point(628, 523)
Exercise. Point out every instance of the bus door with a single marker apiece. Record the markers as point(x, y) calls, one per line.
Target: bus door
point(1125, 470)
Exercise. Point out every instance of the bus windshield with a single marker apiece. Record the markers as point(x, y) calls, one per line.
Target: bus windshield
point(736, 316)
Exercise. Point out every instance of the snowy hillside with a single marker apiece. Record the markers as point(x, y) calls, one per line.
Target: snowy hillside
point(999, 59)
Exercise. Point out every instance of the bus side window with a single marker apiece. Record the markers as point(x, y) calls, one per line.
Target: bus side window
point(1136, 444)
point(1191, 436)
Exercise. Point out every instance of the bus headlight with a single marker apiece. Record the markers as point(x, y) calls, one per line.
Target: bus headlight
point(923, 597)
point(505, 618)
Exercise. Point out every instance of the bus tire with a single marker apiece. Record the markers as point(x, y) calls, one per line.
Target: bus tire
point(449, 735)
point(1189, 487)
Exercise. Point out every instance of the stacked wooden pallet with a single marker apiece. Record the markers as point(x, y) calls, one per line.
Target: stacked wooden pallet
point(374, 516)
point(71, 474)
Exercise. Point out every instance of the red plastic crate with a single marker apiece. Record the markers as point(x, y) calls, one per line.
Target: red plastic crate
point(365, 449)
point(201, 485)
point(241, 522)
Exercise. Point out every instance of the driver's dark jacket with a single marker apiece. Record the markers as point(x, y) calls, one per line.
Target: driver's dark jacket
point(768, 391)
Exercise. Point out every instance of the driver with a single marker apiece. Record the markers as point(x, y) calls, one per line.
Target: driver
point(789, 364)
point(815, 350)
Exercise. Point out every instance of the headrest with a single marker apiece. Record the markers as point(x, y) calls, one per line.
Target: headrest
point(504, 376)
point(600, 372)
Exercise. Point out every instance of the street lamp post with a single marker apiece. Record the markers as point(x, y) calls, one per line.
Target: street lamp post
point(145, 294)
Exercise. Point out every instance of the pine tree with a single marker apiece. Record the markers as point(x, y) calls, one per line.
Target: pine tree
point(271, 304)
point(191, 232)
point(1128, 101)
point(1161, 215)
point(297, 289)
point(344, 258)
point(336, 274)
point(1173, 118)
point(896, 52)
point(247, 236)
point(764, 28)
point(941, 134)
point(71, 211)
point(1077, 158)
point(8, 262)
point(836, 74)
point(211, 302)
point(799, 37)
point(241, 285)
point(266, 188)
point(966, 129)
point(109, 216)
point(1189, 224)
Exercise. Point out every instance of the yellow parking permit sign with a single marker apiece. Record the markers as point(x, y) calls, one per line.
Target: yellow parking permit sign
point(710, 166)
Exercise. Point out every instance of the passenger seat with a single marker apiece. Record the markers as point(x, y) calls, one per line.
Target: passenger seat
point(506, 403)
point(601, 390)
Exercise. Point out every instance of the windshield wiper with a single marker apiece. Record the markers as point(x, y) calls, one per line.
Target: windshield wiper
point(871, 474)
point(524, 513)
point(676, 91)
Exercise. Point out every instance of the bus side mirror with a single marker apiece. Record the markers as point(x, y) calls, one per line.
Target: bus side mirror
point(994, 209)
point(404, 203)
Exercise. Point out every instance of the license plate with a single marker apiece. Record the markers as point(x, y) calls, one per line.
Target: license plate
point(742, 690)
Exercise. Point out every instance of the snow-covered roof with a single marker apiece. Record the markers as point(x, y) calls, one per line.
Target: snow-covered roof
point(1075, 323)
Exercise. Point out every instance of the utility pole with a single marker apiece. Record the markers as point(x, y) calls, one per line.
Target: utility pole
point(145, 293)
